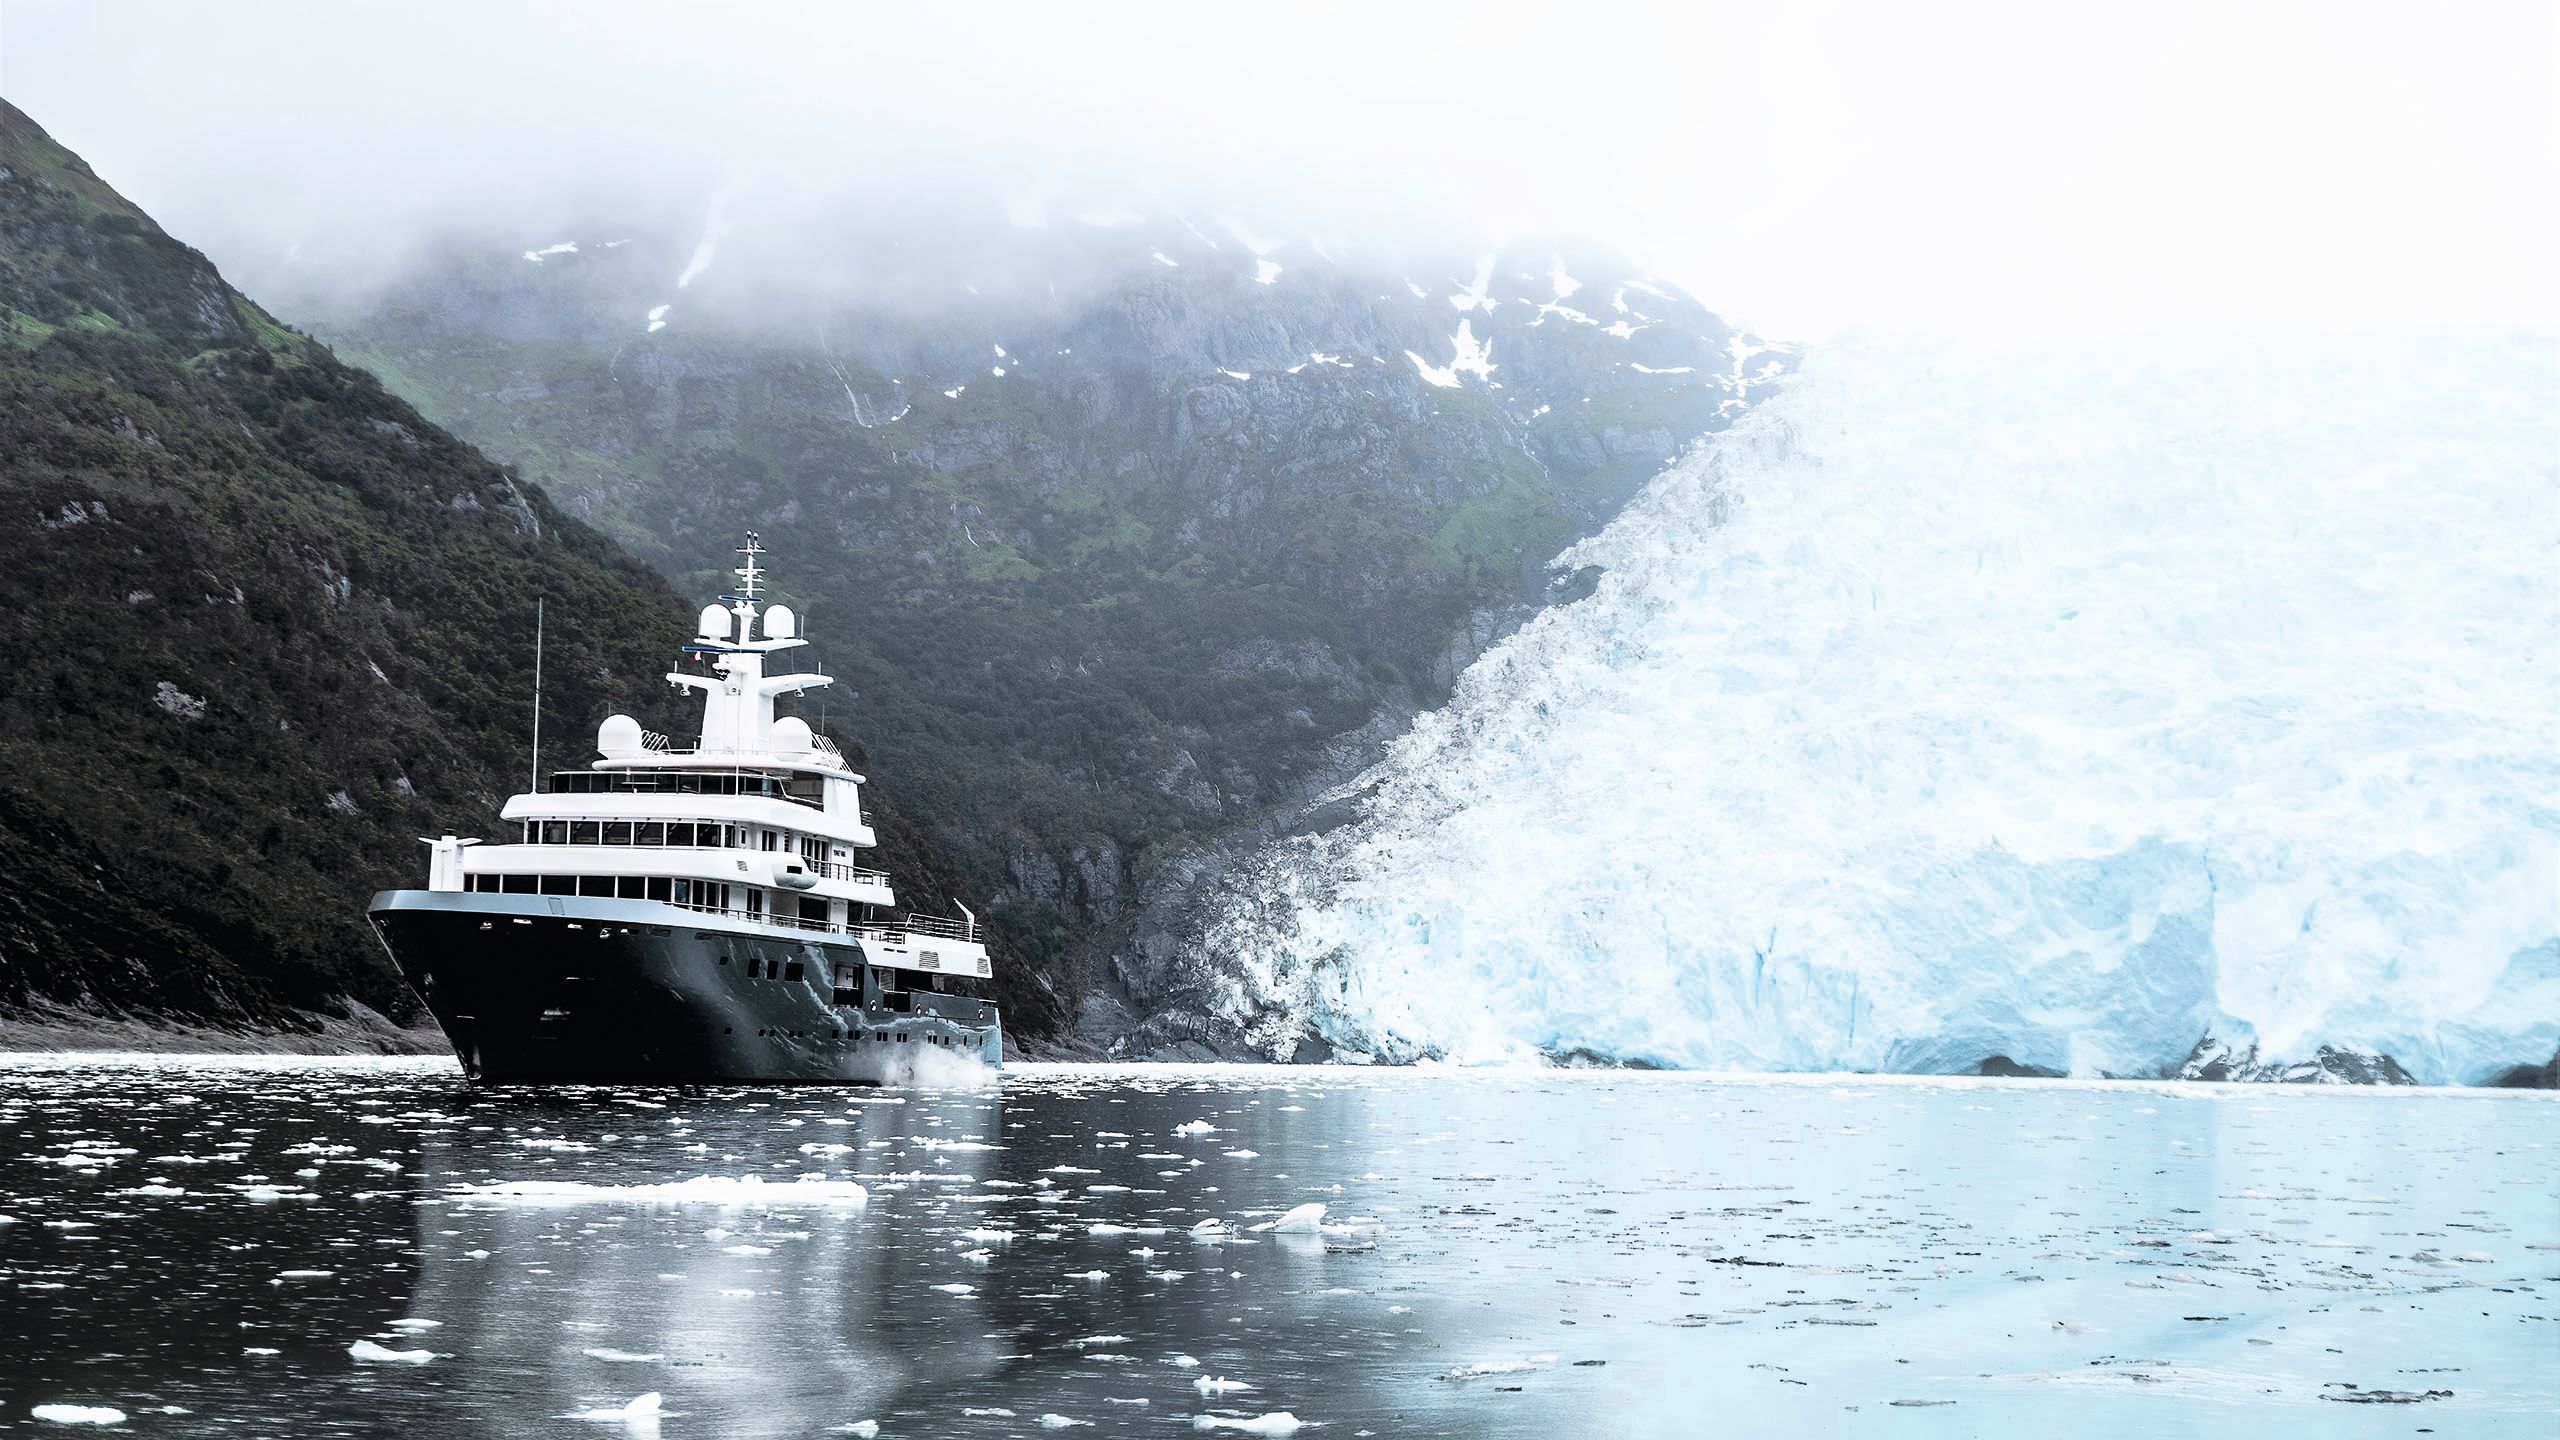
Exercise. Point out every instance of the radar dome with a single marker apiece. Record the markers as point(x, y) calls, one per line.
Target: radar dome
point(791, 733)
point(618, 738)
point(715, 623)
point(780, 623)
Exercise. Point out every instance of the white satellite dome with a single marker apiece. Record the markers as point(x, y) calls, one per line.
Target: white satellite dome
point(618, 738)
point(715, 623)
point(791, 734)
point(780, 623)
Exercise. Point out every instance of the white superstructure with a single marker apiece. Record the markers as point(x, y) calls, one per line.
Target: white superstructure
point(759, 823)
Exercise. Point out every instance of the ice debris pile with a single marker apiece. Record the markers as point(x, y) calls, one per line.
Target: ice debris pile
point(2064, 704)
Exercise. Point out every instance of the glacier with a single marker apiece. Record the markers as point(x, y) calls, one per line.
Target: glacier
point(2066, 702)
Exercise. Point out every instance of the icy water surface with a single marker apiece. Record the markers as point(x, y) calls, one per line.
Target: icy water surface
point(220, 1247)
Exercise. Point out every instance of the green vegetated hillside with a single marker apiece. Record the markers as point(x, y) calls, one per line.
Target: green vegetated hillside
point(1114, 567)
point(261, 627)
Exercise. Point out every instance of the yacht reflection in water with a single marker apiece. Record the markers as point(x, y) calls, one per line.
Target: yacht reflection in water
point(678, 1250)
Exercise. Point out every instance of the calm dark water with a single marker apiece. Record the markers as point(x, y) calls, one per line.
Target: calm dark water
point(199, 1244)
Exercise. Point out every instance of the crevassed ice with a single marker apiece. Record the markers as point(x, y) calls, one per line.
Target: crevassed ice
point(2062, 703)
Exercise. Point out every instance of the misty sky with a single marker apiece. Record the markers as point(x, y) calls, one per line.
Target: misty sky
point(1983, 171)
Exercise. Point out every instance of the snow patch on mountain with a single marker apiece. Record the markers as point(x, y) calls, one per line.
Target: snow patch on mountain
point(2065, 704)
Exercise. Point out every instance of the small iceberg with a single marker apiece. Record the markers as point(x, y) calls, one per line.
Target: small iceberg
point(1219, 1385)
point(641, 1408)
point(79, 1414)
point(750, 1192)
point(384, 1355)
point(1278, 1422)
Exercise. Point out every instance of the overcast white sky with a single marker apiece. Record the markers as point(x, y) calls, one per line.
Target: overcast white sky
point(1988, 171)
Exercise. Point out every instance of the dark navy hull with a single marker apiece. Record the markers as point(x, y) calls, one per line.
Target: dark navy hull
point(560, 989)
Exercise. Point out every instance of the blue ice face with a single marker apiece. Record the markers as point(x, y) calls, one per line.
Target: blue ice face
point(2066, 704)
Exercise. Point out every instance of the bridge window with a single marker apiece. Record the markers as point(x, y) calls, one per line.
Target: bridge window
point(586, 832)
point(555, 832)
point(559, 884)
point(617, 832)
point(661, 888)
point(653, 832)
point(596, 885)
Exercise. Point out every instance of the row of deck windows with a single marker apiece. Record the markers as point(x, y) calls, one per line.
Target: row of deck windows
point(799, 789)
point(808, 910)
point(678, 833)
point(674, 834)
point(706, 894)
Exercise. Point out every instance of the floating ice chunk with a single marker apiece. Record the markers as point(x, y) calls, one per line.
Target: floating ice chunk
point(746, 1249)
point(1210, 1226)
point(1220, 1385)
point(954, 392)
point(1243, 1154)
point(1307, 1219)
point(988, 1237)
point(751, 1191)
point(61, 1414)
point(997, 1410)
point(612, 1356)
point(1090, 1341)
point(868, 1428)
point(640, 1408)
point(957, 1287)
point(1091, 1275)
point(304, 1274)
point(385, 1355)
point(260, 1350)
point(1060, 1422)
point(1278, 1422)
point(1195, 1127)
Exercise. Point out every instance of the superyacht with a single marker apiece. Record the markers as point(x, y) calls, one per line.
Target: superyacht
point(692, 914)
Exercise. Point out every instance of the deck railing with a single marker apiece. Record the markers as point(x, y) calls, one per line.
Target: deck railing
point(855, 874)
point(889, 932)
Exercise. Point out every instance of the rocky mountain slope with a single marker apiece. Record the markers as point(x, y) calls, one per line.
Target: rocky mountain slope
point(264, 626)
point(1140, 531)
